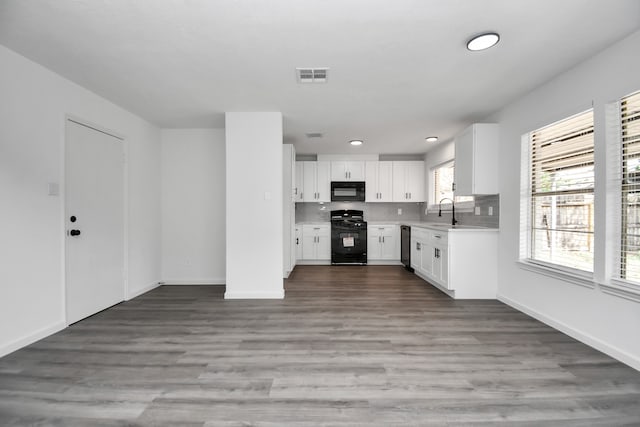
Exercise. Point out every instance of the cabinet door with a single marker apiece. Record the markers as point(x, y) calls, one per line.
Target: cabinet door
point(443, 258)
point(374, 246)
point(355, 170)
point(399, 182)
point(426, 259)
point(385, 181)
point(299, 188)
point(416, 255)
point(298, 243)
point(390, 247)
point(323, 247)
point(371, 182)
point(463, 167)
point(415, 181)
point(323, 181)
point(309, 246)
point(309, 191)
point(339, 171)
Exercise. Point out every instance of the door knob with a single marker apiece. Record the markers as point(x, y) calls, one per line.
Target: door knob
point(74, 232)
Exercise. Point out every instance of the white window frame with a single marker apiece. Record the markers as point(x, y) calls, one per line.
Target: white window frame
point(433, 206)
point(525, 261)
point(614, 283)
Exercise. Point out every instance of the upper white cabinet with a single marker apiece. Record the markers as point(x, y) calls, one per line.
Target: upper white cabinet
point(347, 170)
point(476, 160)
point(408, 181)
point(299, 188)
point(316, 185)
point(378, 181)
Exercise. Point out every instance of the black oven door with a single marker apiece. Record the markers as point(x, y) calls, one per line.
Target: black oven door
point(348, 243)
point(347, 191)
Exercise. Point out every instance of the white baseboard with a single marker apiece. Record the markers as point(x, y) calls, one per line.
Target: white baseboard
point(255, 295)
point(144, 290)
point(31, 338)
point(212, 282)
point(313, 262)
point(598, 344)
point(383, 262)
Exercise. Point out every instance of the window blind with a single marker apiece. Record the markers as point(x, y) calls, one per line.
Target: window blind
point(561, 184)
point(630, 136)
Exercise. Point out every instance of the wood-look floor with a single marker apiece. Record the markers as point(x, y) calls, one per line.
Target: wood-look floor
point(347, 346)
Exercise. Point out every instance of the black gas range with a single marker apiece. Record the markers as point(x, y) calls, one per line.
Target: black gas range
point(348, 237)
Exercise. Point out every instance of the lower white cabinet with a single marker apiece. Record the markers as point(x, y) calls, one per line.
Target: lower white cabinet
point(316, 242)
point(463, 263)
point(298, 242)
point(383, 242)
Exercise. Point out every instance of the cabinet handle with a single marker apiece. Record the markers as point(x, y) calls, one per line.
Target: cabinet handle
point(435, 253)
point(417, 246)
point(453, 186)
point(382, 239)
point(409, 196)
point(437, 236)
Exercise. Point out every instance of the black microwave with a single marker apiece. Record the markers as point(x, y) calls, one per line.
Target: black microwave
point(347, 191)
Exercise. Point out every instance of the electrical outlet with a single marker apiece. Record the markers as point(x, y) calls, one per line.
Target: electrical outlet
point(399, 211)
point(426, 211)
point(477, 210)
point(490, 210)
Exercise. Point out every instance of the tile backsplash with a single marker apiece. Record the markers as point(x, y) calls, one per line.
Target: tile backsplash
point(470, 218)
point(316, 212)
point(307, 212)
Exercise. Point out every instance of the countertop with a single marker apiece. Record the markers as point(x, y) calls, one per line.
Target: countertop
point(440, 226)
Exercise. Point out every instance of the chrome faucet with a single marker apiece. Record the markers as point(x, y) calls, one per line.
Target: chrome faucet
point(453, 210)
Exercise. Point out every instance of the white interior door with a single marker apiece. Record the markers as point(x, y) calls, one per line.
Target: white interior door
point(94, 208)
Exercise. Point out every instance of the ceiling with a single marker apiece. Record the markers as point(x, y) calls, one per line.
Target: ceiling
point(399, 70)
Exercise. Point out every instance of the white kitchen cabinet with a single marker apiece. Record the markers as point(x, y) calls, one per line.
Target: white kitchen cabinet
point(316, 185)
point(408, 181)
point(316, 242)
point(298, 242)
point(378, 181)
point(462, 263)
point(347, 170)
point(476, 160)
point(383, 242)
point(299, 188)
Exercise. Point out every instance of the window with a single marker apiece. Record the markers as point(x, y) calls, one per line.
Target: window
point(560, 193)
point(443, 176)
point(443, 182)
point(630, 135)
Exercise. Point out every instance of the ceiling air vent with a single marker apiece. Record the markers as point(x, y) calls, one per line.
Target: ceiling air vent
point(313, 135)
point(312, 75)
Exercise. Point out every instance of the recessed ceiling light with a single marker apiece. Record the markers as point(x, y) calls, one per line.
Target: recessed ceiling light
point(431, 139)
point(355, 142)
point(483, 41)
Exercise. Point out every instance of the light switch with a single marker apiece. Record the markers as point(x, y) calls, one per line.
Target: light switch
point(53, 189)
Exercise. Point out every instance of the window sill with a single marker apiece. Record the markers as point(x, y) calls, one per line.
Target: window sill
point(622, 288)
point(575, 277)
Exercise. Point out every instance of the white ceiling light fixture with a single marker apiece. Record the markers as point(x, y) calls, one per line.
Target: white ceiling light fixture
point(431, 139)
point(355, 142)
point(483, 41)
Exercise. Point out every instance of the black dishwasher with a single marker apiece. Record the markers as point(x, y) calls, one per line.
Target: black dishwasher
point(405, 246)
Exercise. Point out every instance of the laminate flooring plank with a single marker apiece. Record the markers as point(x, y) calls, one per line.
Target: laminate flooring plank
point(348, 346)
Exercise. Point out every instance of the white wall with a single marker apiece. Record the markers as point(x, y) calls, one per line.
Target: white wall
point(193, 206)
point(254, 205)
point(32, 122)
point(606, 322)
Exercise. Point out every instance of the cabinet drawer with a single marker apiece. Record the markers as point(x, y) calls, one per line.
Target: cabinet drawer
point(420, 234)
point(316, 229)
point(439, 237)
